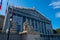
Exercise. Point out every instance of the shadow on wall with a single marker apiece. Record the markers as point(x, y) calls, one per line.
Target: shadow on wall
point(1, 22)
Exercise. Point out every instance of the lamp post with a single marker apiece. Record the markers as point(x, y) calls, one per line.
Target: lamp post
point(11, 19)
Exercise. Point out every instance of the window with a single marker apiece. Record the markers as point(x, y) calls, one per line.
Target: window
point(18, 20)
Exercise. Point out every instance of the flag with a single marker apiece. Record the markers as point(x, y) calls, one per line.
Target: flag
point(0, 4)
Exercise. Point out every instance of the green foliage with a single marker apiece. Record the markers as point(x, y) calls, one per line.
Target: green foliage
point(58, 30)
point(54, 31)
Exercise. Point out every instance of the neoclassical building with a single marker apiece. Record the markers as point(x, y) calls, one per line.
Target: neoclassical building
point(36, 20)
point(39, 22)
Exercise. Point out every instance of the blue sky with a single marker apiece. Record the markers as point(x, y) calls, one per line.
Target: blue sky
point(48, 8)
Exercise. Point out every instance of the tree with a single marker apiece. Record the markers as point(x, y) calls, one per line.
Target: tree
point(58, 30)
point(54, 31)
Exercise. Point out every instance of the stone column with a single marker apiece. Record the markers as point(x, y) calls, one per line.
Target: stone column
point(31, 22)
point(40, 27)
point(21, 23)
point(37, 26)
point(34, 26)
point(44, 27)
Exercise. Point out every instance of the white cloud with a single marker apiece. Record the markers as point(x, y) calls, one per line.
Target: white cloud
point(58, 15)
point(55, 5)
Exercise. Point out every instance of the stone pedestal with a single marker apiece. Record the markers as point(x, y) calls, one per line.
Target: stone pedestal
point(28, 33)
point(13, 28)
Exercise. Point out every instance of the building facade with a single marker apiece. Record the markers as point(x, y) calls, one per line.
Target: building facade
point(35, 19)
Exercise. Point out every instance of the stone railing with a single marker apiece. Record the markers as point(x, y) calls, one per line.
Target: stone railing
point(4, 36)
point(50, 37)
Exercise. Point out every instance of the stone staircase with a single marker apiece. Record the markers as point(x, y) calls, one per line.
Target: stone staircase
point(11, 36)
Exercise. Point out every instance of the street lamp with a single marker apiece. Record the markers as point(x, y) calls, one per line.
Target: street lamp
point(11, 19)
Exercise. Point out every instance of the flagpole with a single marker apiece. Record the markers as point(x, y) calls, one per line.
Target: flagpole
point(4, 29)
point(4, 25)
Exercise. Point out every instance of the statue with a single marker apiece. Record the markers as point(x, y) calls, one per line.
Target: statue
point(27, 27)
point(13, 28)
